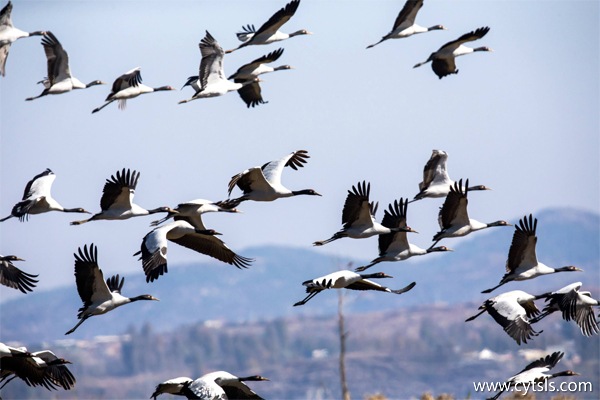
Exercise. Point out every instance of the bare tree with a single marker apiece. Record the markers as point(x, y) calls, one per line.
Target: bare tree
point(343, 334)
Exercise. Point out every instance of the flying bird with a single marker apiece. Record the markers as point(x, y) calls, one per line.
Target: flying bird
point(269, 31)
point(522, 262)
point(346, 279)
point(233, 386)
point(59, 78)
point(535, 372)
point(98, 296)
point(514, 312)
point(128, 86)
point(358, 217)
point(251, 94)
point(191, 211)
point(264, 183)
point(117, 203)
point(443, 60)
point(13, 277)
point(453, 217)
point(211, 81)
point(394, 246)
point(574, 305)
point(405, 25)
point(37, 199)
point(154, 247)
point(436, 181)
point(41, 368)
point(9, 34)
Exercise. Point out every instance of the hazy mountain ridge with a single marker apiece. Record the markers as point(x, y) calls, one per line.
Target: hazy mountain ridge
point(211, 290)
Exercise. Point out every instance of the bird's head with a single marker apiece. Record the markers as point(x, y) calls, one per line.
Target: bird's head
point(210, 232)
point(377, 275)
point(94, 83)
point(570, 268)
point(483, 48)
point(479, 187)
point(146, 297)
point(11, 258)
point(440, 248)
point(499, 223)
point(283, 67)
point(301, 32)
point(253, 378)
point(438, 27)
point(408, 229)
point(309, 192)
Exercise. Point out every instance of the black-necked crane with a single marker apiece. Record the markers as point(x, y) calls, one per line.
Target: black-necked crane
point(535, 372)
point(395, 246)
point(117, 203)
point(574, 305)
point(405, 26)
point(41, 368)
point(128, 86)
point(453, 217)
point(211, 81)
point(9, 34)
point(346, 279)
point(59, 79)
point(13, 277)
point(514, 312)
point(251, 94)
point(172, 386)
point(522, 262)
point(358, 217)
point(264, 183)
point(154, 247)
point(436, 181)
point(98, 296)
point(443, 61)
point(191, 211)
point(37, 198)
point(269, 31)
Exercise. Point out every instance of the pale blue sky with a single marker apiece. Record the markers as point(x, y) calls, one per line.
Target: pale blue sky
point(523, 120)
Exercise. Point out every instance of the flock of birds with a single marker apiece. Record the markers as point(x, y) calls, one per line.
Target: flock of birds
point(515, 311)
point(211, 80)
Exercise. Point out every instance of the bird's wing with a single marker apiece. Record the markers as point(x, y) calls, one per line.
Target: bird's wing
point(408, 13)
point(586, 320)
point(203, 389)
point(13, 277)
point(118, 191)
point(435, 169)
point(250, 94)
point(57, 59)
point(278, 19)
point(356, 207)
point(88, 276)
point(394, 217)
point(273, 170)
point(454, 209)
point(114, 284)
point(510, 315)
point(366, 284)
point(235, 389)
point(213, 247)
point(249, 180)
point(128, 79)
point(211, 65)
point(154, 253)
point(59, 374)
point(251, 66)
point(29, 370)
point(548, 362)
point(5, 21)
point(40, 185)
point(467, 37)
point(522, 247)
point(443, 66)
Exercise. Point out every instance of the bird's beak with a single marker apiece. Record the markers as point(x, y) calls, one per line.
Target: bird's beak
point(409, 229)
point(387, 276)
point(154, 298)
point(19, 259)
point(169, 209)
point(234, 210)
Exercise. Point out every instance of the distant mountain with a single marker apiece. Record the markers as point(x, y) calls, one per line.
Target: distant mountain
point(214, 291)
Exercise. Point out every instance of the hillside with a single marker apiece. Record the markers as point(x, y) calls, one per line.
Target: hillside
point(214, 291)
